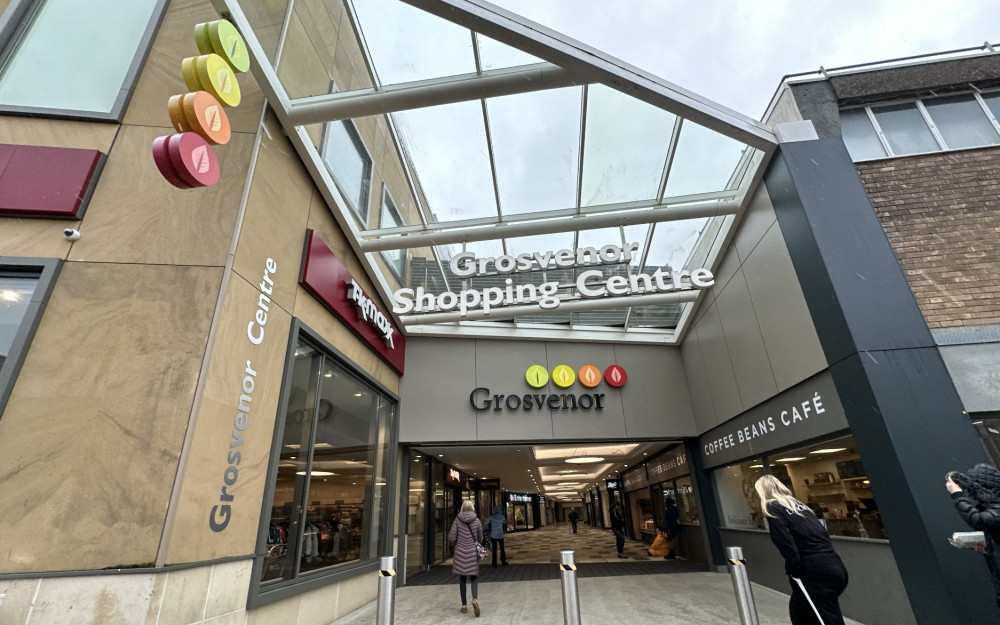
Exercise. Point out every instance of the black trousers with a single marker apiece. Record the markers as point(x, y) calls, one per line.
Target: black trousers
point(573, 523)
point(498, 544)
point(825, 578)
point(475, 586)
point(619, 539)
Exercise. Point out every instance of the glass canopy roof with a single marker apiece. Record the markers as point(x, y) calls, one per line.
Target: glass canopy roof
point(465, 130)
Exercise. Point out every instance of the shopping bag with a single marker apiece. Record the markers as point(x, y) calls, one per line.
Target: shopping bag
point(812, 605)
point(968, 540)
point(660, 547)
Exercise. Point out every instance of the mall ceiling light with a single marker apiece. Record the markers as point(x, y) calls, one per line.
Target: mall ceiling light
point(315, 473)
point(831, 450)
point(792, 459)
point(584, 459)
point(552, 453)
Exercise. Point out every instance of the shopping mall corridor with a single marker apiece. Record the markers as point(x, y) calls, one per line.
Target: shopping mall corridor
point(635, 590)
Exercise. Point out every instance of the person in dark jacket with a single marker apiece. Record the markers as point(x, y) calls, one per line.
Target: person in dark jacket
point(671, 526)
point(574, 517)
point(808, 552)
point(465, 532)
point(976, 494)
point(618, 528)
point(496, 525)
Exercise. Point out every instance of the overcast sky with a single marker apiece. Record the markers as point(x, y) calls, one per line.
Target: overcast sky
point(736, 52)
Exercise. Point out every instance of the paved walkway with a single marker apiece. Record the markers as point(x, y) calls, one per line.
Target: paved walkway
point(590, 545)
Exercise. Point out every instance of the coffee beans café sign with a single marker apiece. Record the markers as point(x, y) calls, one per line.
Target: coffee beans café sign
point(589, 284)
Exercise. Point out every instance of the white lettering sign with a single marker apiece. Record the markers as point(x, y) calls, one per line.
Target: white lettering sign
point(787, 417)
point(367, 311)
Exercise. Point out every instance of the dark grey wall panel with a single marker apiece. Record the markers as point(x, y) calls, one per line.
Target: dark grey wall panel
point(699, 387)
point(976, 375)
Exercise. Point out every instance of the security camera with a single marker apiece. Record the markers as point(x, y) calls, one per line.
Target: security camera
point(71, 234)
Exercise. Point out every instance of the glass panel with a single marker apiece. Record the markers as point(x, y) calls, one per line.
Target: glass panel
point(265, 20)
point(15, 297)
point(665, 316)
point(859, 135)
point(962, 122)
point(830, 479)
point(993, 103)
point(75, 55)
point(704, 161)
point(608, 317)
point(905, 130)
point(637, 234)
point(389, 218)
point(600, 237)
point(625, 148)
point(540, 243)
point(286, 510)
point(687, 503)
point(536, 146)
point(416, 513)
point(342, 473)
point(443, 140)
point(493, 54)
point(739, 505)
point(672, 244)
point(440, 513)
point(408, 44)
point(349, 164)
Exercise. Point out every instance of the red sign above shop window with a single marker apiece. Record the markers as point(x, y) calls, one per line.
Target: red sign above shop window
point(46, 181)
point(330, 282)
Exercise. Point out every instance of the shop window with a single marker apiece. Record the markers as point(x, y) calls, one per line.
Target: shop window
point(929, 125)
point(739, 504)
point(24, 287)
point(830, 478)
point(687, 503)
point(68, 57)
point(347, 159)
point(330, 503)
point(389, 218)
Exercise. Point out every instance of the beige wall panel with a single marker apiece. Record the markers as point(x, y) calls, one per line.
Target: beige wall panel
point(57, 133)
point(757, 220)
point(39, 238)
point(101, 496)
point(135, 216)
point(191, 537)
point(317, 317)
point(301, 70)
point(277, 211)
point(161, 75)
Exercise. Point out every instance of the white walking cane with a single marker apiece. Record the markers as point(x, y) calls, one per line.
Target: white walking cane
point(812, 605)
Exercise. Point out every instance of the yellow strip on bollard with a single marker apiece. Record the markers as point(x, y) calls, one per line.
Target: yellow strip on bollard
point(568, 567)
point(389, 573)
point(738, 562)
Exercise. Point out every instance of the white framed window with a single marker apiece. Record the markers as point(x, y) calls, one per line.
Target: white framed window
point(71, 58)
point(390, 218)
point(349, 163)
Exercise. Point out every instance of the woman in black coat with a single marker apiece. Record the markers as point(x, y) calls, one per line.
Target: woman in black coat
point(976, 494)
point(808, 552)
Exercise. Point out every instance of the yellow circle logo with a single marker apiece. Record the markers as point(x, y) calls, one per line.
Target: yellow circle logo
point(537, 376)
point(563, 376)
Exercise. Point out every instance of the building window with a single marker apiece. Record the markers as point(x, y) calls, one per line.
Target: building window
point(389, 218)
point(24, 288)
point(347, 159)
point(330, 503)
point(739, 505)
point(930, 125)
point(70, 57)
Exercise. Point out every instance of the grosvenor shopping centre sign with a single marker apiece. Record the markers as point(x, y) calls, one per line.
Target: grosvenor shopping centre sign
point(591, 283)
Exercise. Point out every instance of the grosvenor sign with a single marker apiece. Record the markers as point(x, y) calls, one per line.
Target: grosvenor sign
point(563, 376)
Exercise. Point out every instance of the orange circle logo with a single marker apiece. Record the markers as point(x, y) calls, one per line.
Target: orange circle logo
point(590, 376)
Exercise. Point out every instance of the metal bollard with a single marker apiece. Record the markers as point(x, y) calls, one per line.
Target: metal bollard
point(386, 602)
point(570, 593)
point(741, 584)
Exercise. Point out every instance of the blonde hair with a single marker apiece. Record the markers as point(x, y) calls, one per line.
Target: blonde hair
point(769, 488)
point(468, 506)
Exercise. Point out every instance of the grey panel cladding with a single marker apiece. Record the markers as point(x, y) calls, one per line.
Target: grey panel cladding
point(441, 374)
point(973, 368)
point(754, 378)
point(809, 410)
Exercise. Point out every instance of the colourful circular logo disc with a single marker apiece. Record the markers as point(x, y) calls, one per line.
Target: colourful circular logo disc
point(205, 116)
point(201, 38)
point(590, 376)
point(217, 78)
point(161, 157)
point(175, 108)
point(193, 159)
point(227, 43)
point(563, 376)
point(537, 376)
point(189, 71)
point(615, 376)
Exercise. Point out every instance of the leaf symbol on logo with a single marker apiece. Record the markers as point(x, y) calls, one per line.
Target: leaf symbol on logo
point(213, 118)
point(200, 157)
point(224, 85)
point(616, 375)
point(588, 376)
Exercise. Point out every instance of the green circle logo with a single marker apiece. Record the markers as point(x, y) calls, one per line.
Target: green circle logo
point(537, 376)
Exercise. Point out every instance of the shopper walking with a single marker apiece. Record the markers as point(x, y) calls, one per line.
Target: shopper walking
point(671, 526)
point(618, 527)
point(574, 516)
point(976, 494)
point(466, 532)
point(808, 552)
point(496, 525)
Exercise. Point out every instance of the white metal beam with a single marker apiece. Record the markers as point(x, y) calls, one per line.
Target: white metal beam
point(419, 94)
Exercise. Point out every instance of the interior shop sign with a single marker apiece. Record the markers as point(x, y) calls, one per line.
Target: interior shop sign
point(808, 410)
point(563, 376)
point(589, 284)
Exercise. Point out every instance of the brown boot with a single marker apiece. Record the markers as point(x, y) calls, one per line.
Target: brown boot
point(475, 607)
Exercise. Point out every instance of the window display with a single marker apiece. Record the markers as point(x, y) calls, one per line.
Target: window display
point(739, 505)
point(330, 504)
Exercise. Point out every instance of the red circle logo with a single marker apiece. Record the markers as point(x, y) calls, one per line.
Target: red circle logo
point(615, 376)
